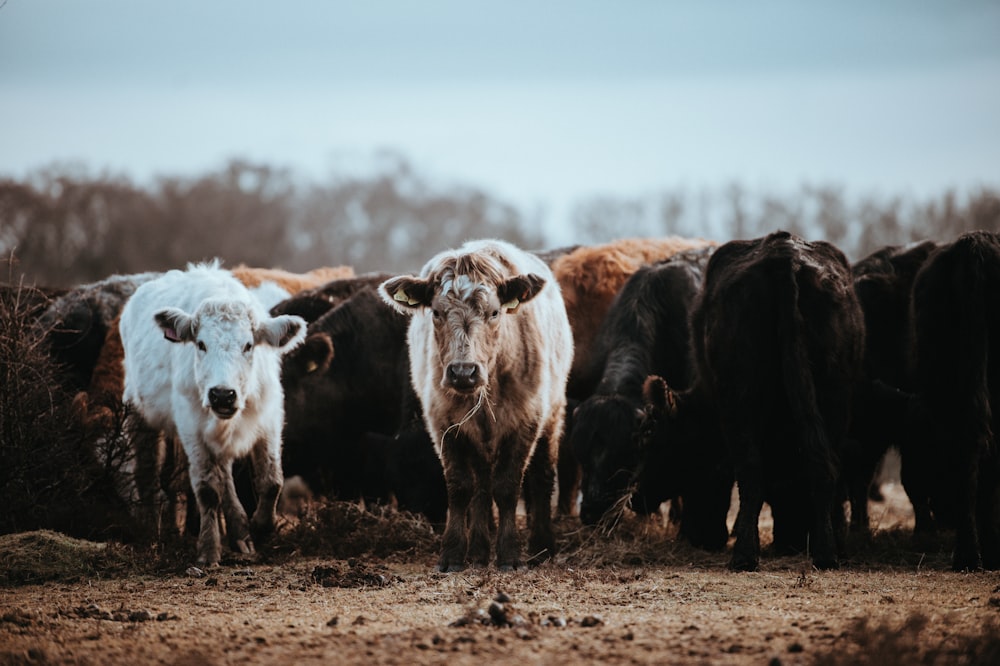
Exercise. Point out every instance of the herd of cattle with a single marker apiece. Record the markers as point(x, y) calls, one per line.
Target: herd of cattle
point(637, 372)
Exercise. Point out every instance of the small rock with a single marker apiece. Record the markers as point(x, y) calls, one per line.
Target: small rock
point(359, 620)
point(332, 622)
point(163, 617)
point(796, 647)
point(498, 614)
point(591, 621)
point(140, 616)
point(195, 572)
point(502, 597)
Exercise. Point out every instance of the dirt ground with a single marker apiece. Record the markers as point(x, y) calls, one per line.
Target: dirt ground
point(635, 596)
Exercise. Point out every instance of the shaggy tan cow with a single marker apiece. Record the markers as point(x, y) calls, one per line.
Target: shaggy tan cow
point(490, 350)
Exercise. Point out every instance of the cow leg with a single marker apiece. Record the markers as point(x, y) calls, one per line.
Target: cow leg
point(967, 557)
point(480, 523)
point(265, 458)
point(569, 475)
point(147, 446)
point(459, 482)
point(512, 455)
point(539, 482)
point(209, 483)
point(989, 513)
point(750, 479)
point(237, 526)
point(822, 543)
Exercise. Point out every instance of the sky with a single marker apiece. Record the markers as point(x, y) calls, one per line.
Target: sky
point(539, 103)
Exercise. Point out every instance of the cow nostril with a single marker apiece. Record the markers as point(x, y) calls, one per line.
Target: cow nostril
point(221, 397)
point(463, 375)
point(462, 371)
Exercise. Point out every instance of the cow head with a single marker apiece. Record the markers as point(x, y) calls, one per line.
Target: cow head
point(467, 304)
point(227, 336)
point(604, 442)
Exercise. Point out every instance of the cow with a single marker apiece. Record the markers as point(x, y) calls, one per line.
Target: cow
point(76, 323)
point(883, 281)
point(589, 278)
point(202, 364)
point(954, 464)
point(292, 283)
point(348, 378)
point(313, 303)
point(97, 409)
point(778, 340)
point(646, 332)
point(490, 350)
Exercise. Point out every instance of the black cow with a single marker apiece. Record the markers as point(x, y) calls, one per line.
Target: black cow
point(311, 304)
point(882, 281)
point(346, 394)
point(956, 317)
point(646, 331)
point(778, 339)
point(76, 323)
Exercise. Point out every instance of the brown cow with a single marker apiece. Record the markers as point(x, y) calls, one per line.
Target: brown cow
point(490, 350)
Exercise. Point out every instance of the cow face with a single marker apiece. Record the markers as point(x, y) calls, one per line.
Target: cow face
point(604, 442)
point(227, 336)
point(467, 315)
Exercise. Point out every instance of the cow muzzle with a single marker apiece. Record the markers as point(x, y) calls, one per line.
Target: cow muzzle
point(222, 401)
point(463, 377)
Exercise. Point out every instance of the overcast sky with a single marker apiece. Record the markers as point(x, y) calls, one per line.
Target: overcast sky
point(539, 103)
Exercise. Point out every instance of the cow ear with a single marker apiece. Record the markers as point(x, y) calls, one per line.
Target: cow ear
point(659, 396)
point(407, 294)
point(284, 332)
point(177, 325)
point(312, 357)
point(519, 289)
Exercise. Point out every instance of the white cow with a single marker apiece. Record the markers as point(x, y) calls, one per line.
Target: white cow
point(203, 364)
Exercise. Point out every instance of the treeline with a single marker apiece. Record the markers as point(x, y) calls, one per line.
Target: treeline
point(63, 226)
point(857, 225)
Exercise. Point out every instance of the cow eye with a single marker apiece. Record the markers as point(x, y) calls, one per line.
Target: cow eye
point(437, 314)
point(494, 314)
point(247, 347)
point(201, 346)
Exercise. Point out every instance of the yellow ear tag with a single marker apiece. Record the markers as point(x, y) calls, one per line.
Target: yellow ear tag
point(311, 366)
point(403, 297)
point(512, 305)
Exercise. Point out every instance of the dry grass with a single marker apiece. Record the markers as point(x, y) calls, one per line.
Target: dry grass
point(40, 556)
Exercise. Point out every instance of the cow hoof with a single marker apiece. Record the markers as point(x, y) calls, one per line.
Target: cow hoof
point(244, 546)
point(826, 564)
point(450, 568)
point(741, 564)
point(516, 565)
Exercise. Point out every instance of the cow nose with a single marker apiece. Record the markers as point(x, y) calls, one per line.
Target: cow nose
point(222, 400)
point(463, 376)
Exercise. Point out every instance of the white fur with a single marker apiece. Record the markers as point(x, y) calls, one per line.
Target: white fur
point(169, 382)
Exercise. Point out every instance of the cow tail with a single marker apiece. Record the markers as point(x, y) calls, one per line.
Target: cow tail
point(973, 335)
point(798, 380)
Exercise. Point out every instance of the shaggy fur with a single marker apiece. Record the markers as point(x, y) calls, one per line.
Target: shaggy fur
point(490, 350)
